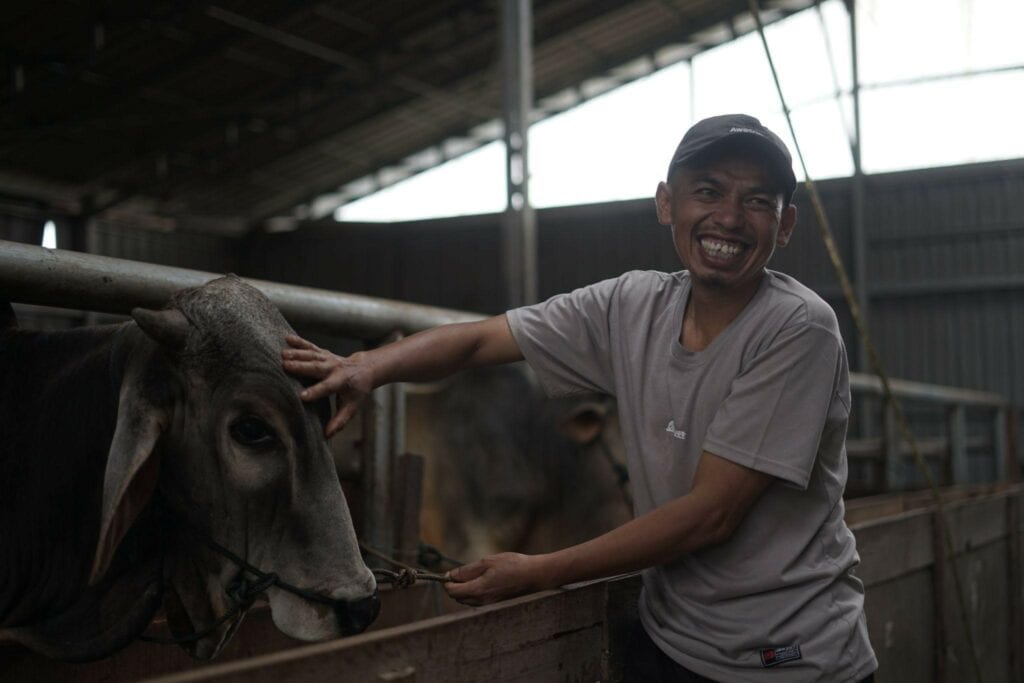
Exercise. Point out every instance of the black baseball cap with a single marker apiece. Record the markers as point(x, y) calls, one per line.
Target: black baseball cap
point(709, 132)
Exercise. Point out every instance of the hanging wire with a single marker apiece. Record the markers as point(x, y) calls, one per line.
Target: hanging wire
point(872, 351)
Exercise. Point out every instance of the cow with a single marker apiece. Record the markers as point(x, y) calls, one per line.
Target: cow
point(508, 469)
point(168, 461)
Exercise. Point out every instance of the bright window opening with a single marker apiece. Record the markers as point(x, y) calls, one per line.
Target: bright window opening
point(50, 235)
point(915, 113)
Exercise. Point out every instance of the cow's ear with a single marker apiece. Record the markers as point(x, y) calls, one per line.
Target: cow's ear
point(584, 422)
point(168, 327)
point(131, 474)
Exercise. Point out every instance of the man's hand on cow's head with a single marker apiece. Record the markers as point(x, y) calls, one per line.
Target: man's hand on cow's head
point(348, 378)
point(497, 577)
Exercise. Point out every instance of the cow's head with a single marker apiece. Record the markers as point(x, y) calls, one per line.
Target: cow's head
point(209, 423)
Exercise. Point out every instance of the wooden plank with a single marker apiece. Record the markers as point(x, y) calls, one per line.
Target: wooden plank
point(940, 605)
point(257, 635)
point(863, 510)
point(986, 593)
point(977, 523)
point(900, 618)
point(1013, 467)
point(555, 635)
point(866, 508)
point(1015, 579)
point(622, 612)
point(894, 547)
point(578, 633)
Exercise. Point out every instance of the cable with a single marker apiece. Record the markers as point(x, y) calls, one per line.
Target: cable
point(872, 351)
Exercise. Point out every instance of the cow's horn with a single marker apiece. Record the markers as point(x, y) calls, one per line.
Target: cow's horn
point(168, 327)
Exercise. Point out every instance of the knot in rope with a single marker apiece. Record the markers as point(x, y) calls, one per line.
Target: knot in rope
point(243, 591)
point(405, 575)
point(403, 578)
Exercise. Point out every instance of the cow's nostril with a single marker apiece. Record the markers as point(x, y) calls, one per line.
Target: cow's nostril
point(354, 617)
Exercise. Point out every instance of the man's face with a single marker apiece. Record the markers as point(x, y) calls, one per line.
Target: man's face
point(727, 218)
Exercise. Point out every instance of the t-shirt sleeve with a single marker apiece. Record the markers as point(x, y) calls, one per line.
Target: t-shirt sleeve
point(566, 340)
point(777, 409)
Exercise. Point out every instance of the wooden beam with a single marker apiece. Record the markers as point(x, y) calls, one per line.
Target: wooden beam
point(549, 636)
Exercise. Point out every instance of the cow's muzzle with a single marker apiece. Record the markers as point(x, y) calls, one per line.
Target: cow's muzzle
point(354, 616)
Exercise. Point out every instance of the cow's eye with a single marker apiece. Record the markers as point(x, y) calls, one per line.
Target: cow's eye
point(252, 431)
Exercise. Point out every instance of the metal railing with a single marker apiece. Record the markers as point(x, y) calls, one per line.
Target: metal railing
point(948, 452)
point(33, 275)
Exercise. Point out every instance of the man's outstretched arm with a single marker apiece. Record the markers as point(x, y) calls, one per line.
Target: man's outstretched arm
point(422, 357)
point(722, 494)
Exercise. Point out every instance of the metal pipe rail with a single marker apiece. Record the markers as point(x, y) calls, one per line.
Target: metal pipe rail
point(31, 274)
point(952, 449)
point(932, 393)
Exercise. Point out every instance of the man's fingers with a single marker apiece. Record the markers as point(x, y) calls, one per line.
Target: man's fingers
point(320, 389)
point(301, 354)
point(297, 342)
point(463, 592)
point(307, 368)
point(467, 572)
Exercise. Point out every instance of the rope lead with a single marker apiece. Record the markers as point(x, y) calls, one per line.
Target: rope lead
point(406, 575)
point(872, 351)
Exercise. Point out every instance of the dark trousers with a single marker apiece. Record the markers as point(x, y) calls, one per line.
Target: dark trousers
point(646, 663)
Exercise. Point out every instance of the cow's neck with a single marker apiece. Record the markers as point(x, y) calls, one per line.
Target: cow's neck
point(58, 404)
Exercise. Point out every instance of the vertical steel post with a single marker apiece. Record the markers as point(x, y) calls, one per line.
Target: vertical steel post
point(957, 429)
point(858, 240)
point(1000, 444)
point(693, 92)
point(383, 441)
point(858, 237)
point(1013, 444)
point(893, 454)
point(378, 472)
point(85, 237)
point(519, 227)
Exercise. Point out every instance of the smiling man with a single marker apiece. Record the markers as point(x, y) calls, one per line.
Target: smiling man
point(733, 395)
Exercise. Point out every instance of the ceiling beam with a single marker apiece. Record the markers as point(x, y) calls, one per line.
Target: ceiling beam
point(329, 55)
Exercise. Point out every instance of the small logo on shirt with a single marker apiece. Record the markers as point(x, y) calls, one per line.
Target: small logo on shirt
point(671, 429)
point(770, 656)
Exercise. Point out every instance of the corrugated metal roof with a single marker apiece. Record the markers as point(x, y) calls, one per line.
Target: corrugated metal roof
point(242, 109)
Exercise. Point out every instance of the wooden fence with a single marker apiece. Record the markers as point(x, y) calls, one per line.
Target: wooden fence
point(576, 634)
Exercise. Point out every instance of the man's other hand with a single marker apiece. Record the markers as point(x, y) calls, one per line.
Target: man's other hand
point(496, 577)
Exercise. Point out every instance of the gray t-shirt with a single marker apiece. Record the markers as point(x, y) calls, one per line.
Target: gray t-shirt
point(778, 601)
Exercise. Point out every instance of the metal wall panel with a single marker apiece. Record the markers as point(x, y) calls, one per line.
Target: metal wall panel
point(17, 228)
point(183, 248)
point(454, 263)
point(945, 264)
